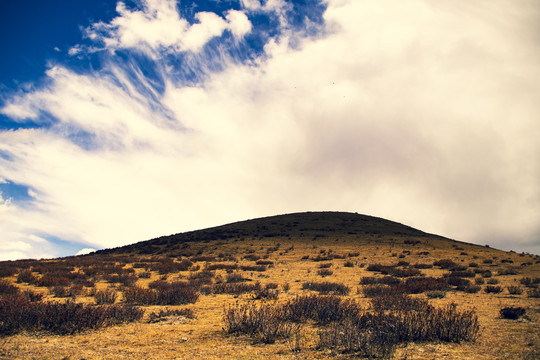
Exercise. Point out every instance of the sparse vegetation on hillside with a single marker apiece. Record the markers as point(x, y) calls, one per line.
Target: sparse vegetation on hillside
point(308, 286)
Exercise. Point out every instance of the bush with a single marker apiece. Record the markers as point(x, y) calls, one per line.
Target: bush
point(393, 270)
point(417, 285)
point(472, 289)
point(461, 273)
point(398, 302)
point(534, 293)
point(235, 278)
point(529, 282)
point(512, 313)
point(19, 314)
point(203, 258)
point(163, 293)
point(234, 288)
point(371, 291)
point(514, 290)
point(107, 296)
point(324, 272)
point(202, 277)
point(166, 314)
point(445, 264)
point(266, 293)
point(145, 275)
point(386, 280)
point(263, 323)
point(350, 329)
point(459, 283)
point(479, 281)
point(264, 262)
point(26, 276)
point(6, 288)
point(422, 266)
point(508, 272)
point(327, 287)
point(486, 273)
point(436, 294)
point(221, 266)
point(319, 308)
point(490, 289)
point(259, 268)
point(376, 335)
point(413, 285)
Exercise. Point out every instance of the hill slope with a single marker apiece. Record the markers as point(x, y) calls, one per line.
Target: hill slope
point(297, 227)
point(197, 295)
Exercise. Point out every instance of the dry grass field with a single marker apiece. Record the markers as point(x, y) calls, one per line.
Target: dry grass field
point(298, 286)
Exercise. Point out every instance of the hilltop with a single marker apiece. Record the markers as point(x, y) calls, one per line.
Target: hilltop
point(306, 226)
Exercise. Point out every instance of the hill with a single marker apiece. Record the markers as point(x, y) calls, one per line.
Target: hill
point(307, 226)
point(314, 285)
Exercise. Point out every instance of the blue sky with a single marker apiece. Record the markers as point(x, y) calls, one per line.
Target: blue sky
point(121, 121)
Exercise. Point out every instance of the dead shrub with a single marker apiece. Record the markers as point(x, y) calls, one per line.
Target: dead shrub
point(264, 323)
point(162, 293)
point(264, 262)
point(235, 288)
point(371, 291)
point(259, 268)
point(398, 302)
point(377, 334)
point(490, 289)
point(512, 313)
point(327, 287)
point(445, 264)
point(436, 294)
point(221, 266)
point(19, 314)
point(530, 282)
point(472, 289)
point(393, 270)
point(26, 276)
point(386, 280)
point(422, 266)
point(6, 288)
point(266, 293)
point(324, 272)
point(534, 293)
point(107, 296)
point(514, 290)
point(166, 314)
point(236, 278)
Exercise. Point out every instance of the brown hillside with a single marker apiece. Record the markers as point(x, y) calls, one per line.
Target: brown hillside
point(282, 287)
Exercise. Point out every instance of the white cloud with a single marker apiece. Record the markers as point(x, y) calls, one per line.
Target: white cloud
point(239, 23)
point(159, 25)
point(418, 112)
point(85, 251)
point(267, 5)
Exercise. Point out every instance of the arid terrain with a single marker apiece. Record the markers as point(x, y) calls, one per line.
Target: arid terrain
point(312, 285)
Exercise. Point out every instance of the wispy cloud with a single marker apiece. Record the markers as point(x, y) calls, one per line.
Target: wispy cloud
point(422, 113)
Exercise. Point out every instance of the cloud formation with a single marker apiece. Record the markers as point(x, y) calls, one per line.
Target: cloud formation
point(418, 112)
point(158, 25)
